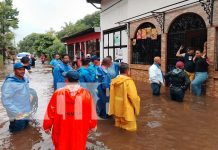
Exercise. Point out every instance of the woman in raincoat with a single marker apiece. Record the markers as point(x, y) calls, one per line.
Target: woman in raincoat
point(124, 101)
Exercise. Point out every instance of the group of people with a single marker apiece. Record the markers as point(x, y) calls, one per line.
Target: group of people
point(104, 89)
point(83, 94)
point(190, 73)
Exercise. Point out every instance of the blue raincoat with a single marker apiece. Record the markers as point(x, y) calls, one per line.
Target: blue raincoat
point(55, 62)
point(93, 68)
point(104, 80)
point(15, 96)
point(58, 71)
point(86, 75)
point(114, 70)
point(88, 81)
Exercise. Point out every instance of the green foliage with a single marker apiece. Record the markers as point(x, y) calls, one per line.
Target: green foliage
point(8, 21)
point(88, 21)
point(1, 61)
point(46, 43)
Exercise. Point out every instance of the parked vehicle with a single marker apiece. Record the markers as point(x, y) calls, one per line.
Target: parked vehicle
point(22, 54)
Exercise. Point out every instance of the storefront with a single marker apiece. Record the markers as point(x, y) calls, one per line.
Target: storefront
point(160, 29)
point(83, 43)
point(161, 33)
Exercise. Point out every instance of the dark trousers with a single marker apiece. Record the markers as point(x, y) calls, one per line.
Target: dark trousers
point(18, 125)
point(177, 94)
point(155, 89)
point(101, 109)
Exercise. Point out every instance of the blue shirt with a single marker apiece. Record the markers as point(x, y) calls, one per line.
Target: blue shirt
point(104, 80)
point(86, 75)
point(15, 96)
point(114, 70)
point(93, 68)
point(58, 71)
point(55, 62)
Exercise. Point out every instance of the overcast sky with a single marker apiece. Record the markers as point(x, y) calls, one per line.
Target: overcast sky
point(40, 15)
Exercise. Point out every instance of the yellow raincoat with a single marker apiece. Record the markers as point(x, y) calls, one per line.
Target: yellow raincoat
point(124, 102)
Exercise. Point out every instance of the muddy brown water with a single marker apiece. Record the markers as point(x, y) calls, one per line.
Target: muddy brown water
point(162, 123)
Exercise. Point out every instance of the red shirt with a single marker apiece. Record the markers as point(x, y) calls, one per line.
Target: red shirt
point(70, 117)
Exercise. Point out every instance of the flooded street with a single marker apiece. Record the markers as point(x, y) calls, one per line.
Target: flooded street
point(162, 124)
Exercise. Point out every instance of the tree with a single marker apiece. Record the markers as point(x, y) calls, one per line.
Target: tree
point(46, 43)
point(8, 21)
point(88, 21)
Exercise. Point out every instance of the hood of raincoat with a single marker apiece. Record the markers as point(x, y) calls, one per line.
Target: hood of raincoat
point(70, 92)
point(120, 80)
point(13, 78)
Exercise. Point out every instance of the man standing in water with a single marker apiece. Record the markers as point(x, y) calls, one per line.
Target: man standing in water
point(156, 76)
point(16, 98)
point(114, 68)
point(124, 100)
point(60, 68)
point(188, 59)
point(103, 89)
point(71, 115)
point(54, 62)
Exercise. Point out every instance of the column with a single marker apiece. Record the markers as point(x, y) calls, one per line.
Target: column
point(74, 50)
point(85, 49)
point(80, 50)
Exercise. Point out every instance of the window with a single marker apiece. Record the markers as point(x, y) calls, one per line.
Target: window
point(114, 39)
point(146, 44)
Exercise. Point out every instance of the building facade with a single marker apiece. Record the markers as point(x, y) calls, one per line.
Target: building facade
point(160, 28)
point(83, 43)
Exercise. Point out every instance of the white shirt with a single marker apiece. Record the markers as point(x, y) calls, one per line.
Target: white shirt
point(155, 75)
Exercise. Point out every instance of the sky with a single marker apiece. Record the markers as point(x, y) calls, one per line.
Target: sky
point(39, 16)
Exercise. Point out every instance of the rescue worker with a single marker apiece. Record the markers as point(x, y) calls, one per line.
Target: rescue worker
point(86, 76)
point(178, 81)
point(16, 98)
point(114, 69)
point(124, 101)
point(70, 115)
point(59, 69)
point(104, 80)
point(95, 64)
point(93, 69)
point(55, 61)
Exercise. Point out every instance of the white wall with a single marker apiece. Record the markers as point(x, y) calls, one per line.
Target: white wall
point(128, 8)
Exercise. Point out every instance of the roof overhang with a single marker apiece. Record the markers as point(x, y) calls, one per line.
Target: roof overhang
point(94, 1)
point(82, 33)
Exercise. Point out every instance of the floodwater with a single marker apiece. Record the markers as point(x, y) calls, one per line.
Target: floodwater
point(162, 123)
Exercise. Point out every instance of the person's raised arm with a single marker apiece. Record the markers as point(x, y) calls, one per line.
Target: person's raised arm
point(178, 54)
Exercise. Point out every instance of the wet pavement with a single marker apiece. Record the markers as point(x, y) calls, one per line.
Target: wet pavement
point(162, 124)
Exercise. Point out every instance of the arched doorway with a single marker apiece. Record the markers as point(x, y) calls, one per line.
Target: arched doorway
point(146, 44)
point(188, 30)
